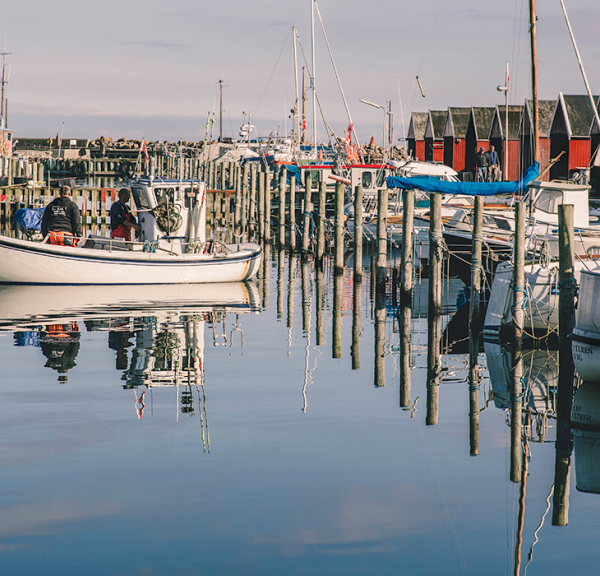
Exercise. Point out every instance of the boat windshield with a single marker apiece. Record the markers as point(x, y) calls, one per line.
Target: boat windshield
point(141, 198)
point(548, 201)
point(367, 179)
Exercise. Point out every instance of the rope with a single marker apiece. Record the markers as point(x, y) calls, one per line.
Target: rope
point(150, 246)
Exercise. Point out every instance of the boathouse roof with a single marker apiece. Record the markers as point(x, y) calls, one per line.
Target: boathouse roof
point(573, 116)
point(545, 114)
point(499, 122)
point(481, 121)
point(457, 122)
point(416, 128)
point(436, 119)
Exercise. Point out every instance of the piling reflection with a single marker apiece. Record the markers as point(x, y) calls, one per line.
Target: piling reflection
point(336, 340)
point(380, 319)
point(280, 283)
point(320, 298)
point(474, 382)
point(356, 316)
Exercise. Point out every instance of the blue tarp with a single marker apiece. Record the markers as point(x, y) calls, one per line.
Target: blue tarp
point(30, 219)
point(467, 188)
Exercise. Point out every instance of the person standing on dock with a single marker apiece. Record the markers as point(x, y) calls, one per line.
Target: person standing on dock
point(122, 221)
point(494, 164)
point(61, 222)
point(481, 161)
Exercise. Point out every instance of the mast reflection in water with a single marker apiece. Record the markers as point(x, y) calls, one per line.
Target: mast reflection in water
point(312, 468)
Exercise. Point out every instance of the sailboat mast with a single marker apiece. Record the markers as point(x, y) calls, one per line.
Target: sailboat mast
point(297, 105)
point(221, 109)
point(314, 88)
point(2, 108)
point(303, 108)
point(587, 84)
point(534, 82)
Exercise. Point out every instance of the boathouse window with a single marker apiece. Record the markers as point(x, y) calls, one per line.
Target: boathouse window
point(140, 198)
point(367, 179)
point(549, 201)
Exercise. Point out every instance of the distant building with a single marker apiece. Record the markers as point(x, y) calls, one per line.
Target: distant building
point(497, 133)
point(455, 131)
point(570, 133)
point(416, 135)
point(545, 114)
point(478, 134)
point(434, 135)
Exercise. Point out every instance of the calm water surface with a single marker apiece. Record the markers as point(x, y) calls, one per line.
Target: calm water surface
point(270, 457)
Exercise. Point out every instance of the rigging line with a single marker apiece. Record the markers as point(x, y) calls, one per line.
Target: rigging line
point(535, 534)
point(272, 74)
point(327, 126)
point(401, 113)
point(229, 85)
point(433, 36)
point(336, 72)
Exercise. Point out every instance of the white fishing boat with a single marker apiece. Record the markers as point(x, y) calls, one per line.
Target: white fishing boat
point(586, 334)
point(172, 249)
point(541, 302)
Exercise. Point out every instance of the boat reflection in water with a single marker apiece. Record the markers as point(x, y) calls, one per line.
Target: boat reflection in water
point(585, 426)
point(540, 380)
point(163, 325)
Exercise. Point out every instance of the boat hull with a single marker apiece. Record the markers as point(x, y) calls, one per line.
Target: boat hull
point(25, 262)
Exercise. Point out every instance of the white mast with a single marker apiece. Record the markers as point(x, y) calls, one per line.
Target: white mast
point(314, 95)
point(587, 84)
point(297, 105)
point(3, 109)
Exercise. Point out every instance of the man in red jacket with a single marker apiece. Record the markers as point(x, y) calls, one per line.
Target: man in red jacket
point(122, 221)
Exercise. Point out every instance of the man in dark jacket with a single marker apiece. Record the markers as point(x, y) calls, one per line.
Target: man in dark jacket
point(481, 161)
point(62, 220)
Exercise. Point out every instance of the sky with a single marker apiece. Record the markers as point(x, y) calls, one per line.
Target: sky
point(150, 69)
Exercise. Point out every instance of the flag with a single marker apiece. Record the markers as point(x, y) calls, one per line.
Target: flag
point(144, 150)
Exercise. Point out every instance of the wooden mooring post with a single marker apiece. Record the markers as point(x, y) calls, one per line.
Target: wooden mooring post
point(406, 287)
point(321, 224)
point(338, 266)
point(292, 213)
point(282, 195)
point(382, 209)
point(306, 213)
point(474, 326)
point(358, 232)
point(261, 204)
point(436, 253)
point(267, 197)
point(518, 314)
point(567, 287)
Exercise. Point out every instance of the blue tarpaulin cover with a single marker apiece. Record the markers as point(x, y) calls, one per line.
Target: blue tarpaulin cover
point(467, 188)
point(30, 219)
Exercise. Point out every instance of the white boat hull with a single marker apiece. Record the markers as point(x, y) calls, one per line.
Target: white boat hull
point(25, 262)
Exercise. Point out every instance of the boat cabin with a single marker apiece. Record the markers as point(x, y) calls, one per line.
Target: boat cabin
point(547, 196)
point(173, 211)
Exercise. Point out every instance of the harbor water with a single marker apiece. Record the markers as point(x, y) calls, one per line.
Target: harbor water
point(249, 429)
